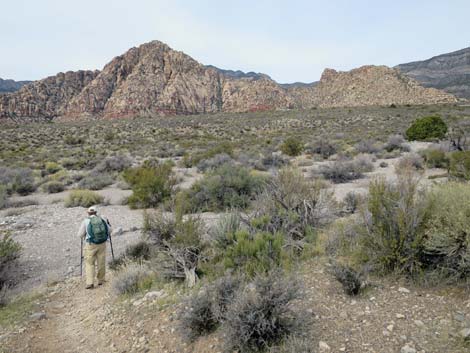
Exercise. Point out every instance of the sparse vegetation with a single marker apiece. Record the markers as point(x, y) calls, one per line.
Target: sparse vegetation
point(131, 279)
point(292, 146)
point(83, 198)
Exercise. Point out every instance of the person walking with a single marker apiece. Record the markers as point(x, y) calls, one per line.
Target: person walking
point(95, 230)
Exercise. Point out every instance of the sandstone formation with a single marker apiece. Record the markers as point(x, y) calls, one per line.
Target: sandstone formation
point(449, 72)
point(154, 80)
point(370, 85)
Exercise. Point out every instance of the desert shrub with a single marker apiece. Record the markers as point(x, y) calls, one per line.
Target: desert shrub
point(9, 252)
point(447, 234)
point(383, 165)
point(350, 279)
point(83, 198)
point(341, 171)
point(292, 205)
point(73, 140)
point(352, 201)
point(205, 310)
point(132, 279)
point(430, 127)
point(214, 162)
point(364, 163)
point(226, 187)
point(459, 165)
point(198, 318)
point(257, 253)
point(180, 247)
point(273, 160)
point(222, 148)
point(323, 148)
point(52, 167)
point(261, 315)
point(392, 236)
point(151, 184)
point(343, 237)
point(3, 196)
point(20, 180)
point(113, 164)
point(53, 187)
point(435, 158)
point(396, 143)
point(224, 230)
point(138, 251)
point(294, 344)
point(367, 146)
point(158, 228)
point(292, 146)
point(95, 181)
point(410, 161)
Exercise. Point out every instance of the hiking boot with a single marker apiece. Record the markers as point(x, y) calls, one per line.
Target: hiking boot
point(90, 286)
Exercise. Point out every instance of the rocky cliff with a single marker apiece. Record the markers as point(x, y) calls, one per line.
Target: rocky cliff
point(370, 85)
point(449, 72)
point(153, 79)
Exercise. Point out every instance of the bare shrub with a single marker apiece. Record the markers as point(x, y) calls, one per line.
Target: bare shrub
point(396, 142)
point(198, 319)
point(324, 148)
point(114, 164)
point(293, 206)
point(341, 172)
point(214, 162)
point(343, 237)
point(367, 146)
point(131, 279)
point(261, 315)
point(95, 181)
point(411, 161)
point(350, 279)
point(352, 201)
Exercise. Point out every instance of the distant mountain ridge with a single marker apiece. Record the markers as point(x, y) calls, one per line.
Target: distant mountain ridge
point(449, 72)
point(8, 86)
point(154, 79)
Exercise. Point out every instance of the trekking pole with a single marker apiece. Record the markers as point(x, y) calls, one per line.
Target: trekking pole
point(81, 257)
point(111, 243)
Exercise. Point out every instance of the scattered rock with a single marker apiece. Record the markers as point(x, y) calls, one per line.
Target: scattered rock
point(400, 316)
point(407, 349)
point(465, 333)
point(403, 290)
point(324, 347)
point(38, 316)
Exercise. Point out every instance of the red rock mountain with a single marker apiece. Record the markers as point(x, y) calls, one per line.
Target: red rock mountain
point(153, 79)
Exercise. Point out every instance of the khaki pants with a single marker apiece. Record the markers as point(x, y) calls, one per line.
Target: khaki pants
point(95, 253)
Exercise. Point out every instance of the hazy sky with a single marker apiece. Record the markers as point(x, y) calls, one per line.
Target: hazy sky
point(289, 40)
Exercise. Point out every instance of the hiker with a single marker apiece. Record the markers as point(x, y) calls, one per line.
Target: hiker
point(95, 230)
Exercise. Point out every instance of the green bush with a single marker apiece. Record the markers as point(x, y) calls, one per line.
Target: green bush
point(459, 165)
point(83, 198)
point(3, 196)
point(226, 187)
point(9, 252)
point(53, 187)
point(52, 167)
point(435, 158)
point(292, 146)
point(430, 127)
point(151, 184)
point(255, 254)
point(392, 235)
point(447, 244)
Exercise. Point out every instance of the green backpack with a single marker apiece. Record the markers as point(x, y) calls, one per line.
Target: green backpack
point(97, 230)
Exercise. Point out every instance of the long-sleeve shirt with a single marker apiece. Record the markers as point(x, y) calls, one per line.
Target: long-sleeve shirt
point(83, 230)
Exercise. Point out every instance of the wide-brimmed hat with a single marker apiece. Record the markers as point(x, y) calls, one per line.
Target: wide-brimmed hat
point(93, 209)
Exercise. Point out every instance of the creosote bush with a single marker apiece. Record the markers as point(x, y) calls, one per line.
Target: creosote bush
point(435, 158)
point(151, 184)
point(459, 165)
point(83, 198)
point(447, 233)
point(226, 187)
point(292, 146)
point(53, 187)
point(430, 127)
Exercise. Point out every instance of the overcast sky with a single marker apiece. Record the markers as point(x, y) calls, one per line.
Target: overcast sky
point(290, 40)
